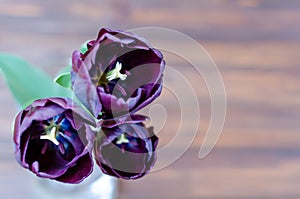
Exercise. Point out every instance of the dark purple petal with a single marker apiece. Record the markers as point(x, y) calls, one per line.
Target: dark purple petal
point(82, 85)
point(79, 171)
point(110, 123)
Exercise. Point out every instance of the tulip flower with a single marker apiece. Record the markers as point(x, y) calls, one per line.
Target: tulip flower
point(51, 139)
point(118, 74)
point(126, 150)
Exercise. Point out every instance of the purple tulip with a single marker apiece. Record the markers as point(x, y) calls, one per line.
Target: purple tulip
point(119, 74)
point(126, 150)
point(52, 140)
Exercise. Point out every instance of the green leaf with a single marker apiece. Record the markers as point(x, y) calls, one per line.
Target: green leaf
point(64, 80)
point(84, 48)
point(28, 83)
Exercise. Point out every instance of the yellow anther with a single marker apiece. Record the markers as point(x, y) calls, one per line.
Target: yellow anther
point(122, 139)
point(115, 73)
point(51, 136)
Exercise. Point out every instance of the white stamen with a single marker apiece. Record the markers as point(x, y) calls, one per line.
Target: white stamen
point(122, 139)
point(115, 73)
point(51, 136)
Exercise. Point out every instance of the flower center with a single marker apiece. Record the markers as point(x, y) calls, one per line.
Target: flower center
point(115, 73)
point(122, 139)
point(51, 135)
point(53, 127)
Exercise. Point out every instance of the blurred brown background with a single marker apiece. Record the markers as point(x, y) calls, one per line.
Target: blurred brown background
point(256, 46)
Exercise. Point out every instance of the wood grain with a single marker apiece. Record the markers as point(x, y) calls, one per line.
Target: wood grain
point(255, 45)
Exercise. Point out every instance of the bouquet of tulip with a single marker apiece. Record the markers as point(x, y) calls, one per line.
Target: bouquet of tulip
point(90, 112)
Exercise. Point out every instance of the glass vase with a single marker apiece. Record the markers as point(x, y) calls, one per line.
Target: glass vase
point(96, 186)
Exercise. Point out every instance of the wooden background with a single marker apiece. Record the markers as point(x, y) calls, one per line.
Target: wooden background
point(256, 46)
